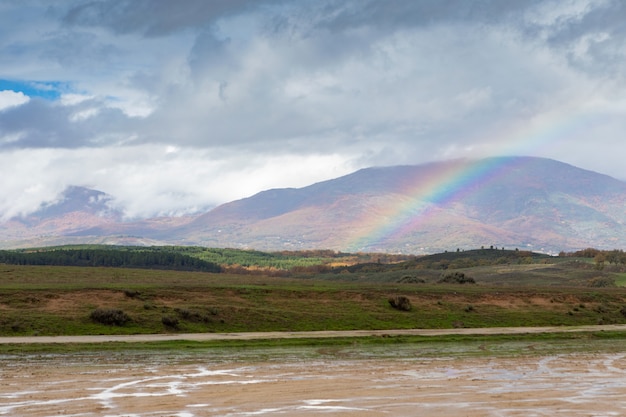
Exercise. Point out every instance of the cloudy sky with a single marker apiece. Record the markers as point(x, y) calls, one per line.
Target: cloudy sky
point(175, 106)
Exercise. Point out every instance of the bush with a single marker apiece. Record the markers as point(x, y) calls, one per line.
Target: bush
point(132, 293)
point(601, 282)
point(400, 302)
point(109, 316)
point(193, 316)
point(602, 309)
point(169, 321)
point(456, 278)
point(408, 279)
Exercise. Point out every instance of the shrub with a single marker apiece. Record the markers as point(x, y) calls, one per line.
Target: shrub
point(184, 313)
point(601, 309)
point(400, 302)
point(408, 279)
point(109, 316)
point(456, 278)
point(193, 316)
point(601, 282)
point(169, 321)
point(132, 293)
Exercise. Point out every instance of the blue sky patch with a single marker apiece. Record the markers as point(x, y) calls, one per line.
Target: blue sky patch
point(49, 90)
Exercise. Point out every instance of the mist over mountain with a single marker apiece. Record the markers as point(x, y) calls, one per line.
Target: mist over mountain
point(512, 202)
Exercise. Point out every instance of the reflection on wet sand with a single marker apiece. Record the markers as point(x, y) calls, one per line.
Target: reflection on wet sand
point(199, 385)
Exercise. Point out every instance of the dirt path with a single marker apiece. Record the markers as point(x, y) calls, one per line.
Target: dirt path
point(305, 335)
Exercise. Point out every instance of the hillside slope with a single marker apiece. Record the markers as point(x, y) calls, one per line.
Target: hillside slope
point(513, 202)
point(522, 202)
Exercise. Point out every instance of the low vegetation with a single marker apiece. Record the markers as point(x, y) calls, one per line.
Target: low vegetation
point(109, 316)
point(456, 278)
point(400, 302)
point(507, 288)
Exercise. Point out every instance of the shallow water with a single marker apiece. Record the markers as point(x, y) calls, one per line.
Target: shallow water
point(403, 380)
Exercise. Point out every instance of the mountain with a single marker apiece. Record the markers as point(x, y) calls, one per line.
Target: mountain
point(520, 202)
point(512, 202)
point(80, 215)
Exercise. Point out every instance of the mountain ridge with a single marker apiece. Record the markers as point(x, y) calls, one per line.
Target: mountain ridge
point(526, 202)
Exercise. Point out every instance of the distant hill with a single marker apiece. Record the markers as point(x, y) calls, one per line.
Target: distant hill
point(512, 202)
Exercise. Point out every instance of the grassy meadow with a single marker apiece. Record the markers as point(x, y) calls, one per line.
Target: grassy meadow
point(539, 291)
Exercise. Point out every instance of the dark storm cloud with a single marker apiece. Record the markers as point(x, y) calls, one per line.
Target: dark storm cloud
point(394, 14)
point(330, 68)
point(594, 40)
point(41, 124)
point(532, 19)
point(78, 50)
point(156, 17)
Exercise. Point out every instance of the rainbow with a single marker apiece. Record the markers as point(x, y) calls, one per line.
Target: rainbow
point(440, 185)
point(545, 134)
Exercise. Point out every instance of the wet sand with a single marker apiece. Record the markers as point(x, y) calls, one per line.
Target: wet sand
point(301, 384)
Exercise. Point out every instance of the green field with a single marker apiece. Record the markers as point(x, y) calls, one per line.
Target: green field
point(510, 289)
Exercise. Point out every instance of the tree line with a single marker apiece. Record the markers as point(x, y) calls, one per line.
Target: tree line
point(146, 259)
point(613, 257)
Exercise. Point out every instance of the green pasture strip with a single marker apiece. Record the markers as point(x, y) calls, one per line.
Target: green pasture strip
point(59, 301)
point(241, 310)
point(222, 256)
point(70, 277)
point(42, 300)
point(620, 279)
point(355, 347)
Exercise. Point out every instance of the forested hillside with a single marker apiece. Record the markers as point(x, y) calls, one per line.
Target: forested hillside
point(148, 259)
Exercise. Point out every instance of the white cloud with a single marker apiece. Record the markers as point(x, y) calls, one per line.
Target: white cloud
point(10, 99)
point(555, 14)
point(83, 114)
point(73, 99)
point(171, 112)
point(152, 180)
